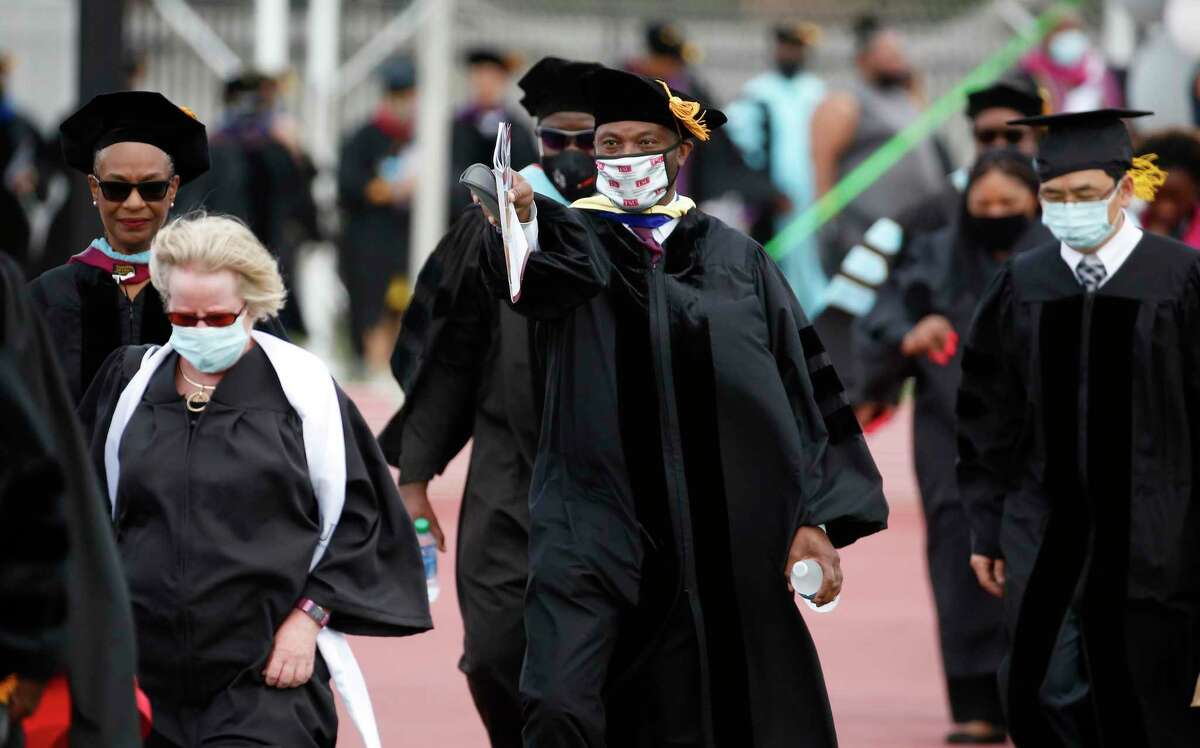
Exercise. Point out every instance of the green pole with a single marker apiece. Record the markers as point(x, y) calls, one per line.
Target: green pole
point(878, 163)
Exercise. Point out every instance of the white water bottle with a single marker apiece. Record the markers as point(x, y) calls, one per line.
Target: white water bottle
point(429, 553)
point(806, 580)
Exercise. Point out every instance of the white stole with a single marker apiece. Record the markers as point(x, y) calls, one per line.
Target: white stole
point(310, 390)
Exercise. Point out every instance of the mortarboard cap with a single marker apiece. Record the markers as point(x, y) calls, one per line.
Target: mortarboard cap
point(1017, 91)
point(556, 85)
point(1077, 141)
point(398, 74)
point(802, 34)
point(488, 56)
point(666, 39)
point(618, 96)
point(139, 117)
point(246, 82)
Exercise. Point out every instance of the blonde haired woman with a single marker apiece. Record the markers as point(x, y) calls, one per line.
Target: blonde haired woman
point(255, 516)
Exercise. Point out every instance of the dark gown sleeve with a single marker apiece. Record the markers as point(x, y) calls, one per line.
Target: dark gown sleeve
point(356, 169)
point(439, 356)
point(438, 423)
point(33, 536)
point(990, 413)
point(99, 649)
point(843, 489)
point(570, 268)
point(371, 577)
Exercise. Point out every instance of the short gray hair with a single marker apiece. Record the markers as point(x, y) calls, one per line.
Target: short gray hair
point(216, 242)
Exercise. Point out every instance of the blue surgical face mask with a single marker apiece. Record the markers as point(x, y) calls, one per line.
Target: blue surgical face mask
point(1068, 47)
point(1079, 225)
point(211, 349)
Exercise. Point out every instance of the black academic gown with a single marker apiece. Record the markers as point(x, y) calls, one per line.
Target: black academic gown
point(95, 648)
point(374, 246)
point(1078, 416)
point(465, 363)
point(942, 273)
point(216, 523)
point(691, 425)
point(90, 316)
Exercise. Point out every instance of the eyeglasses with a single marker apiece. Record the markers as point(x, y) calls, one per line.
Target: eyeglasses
point(216, 319)
point(990, 135)
point(558, 140)
point(118, 192)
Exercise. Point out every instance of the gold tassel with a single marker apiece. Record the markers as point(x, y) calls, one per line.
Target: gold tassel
point(7, 686)
point(189, 113)
point(686, 112)
point(1146, 176)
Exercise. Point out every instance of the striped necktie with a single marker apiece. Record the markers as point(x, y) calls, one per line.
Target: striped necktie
point(1090, 272)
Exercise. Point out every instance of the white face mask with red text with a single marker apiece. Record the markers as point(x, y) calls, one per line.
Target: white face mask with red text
point(634, 183)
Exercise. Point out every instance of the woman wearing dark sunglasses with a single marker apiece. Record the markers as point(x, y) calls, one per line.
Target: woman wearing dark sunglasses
point(136, 148)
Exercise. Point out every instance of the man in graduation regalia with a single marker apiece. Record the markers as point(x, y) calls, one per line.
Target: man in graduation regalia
point(137, 148)
point(1078, 412)
point(694, 442)
point(466, 365)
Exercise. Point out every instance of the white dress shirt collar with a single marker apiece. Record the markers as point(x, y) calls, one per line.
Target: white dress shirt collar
point(1113, 254)
point(660, 233)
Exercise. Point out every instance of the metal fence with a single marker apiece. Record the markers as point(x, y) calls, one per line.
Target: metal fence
point(947, 38)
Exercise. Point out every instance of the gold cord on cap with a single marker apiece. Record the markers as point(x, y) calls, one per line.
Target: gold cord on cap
point(189, 112)
point(1146, 176)
point(687, 112)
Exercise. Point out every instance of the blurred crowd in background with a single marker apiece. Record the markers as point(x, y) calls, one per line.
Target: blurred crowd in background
point(811, 112)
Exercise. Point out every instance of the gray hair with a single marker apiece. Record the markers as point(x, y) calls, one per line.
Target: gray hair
point(216, 242)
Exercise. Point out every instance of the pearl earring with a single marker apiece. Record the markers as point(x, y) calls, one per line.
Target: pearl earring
point(93, 203)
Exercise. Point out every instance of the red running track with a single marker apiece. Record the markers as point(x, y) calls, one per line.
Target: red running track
point(878, 649)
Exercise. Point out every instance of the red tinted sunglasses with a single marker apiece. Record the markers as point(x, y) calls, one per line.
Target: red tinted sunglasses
point(216, 319)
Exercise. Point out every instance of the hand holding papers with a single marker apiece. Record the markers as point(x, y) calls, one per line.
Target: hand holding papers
point(516, 247)
point(490, 188)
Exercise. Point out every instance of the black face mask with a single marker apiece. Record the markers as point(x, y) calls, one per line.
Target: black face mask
point(892, 81)
point(995, 234)
point(789, 68)
point(573, 172)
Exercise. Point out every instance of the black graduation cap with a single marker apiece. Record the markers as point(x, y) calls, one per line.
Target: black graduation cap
point(246, 82)
point(618, 96)
point(666, 39)
point(1017, 91)
point(488, 56)
point(1077, 141)
point(139, 117)
point(556, 85)
point(802, 34)
point(398, 74)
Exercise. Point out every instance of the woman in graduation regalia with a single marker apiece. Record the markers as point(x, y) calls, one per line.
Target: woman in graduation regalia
point(137, 148)
point(255, 517)
point(694, 439)
point(1078, 448)
point(912, 331)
